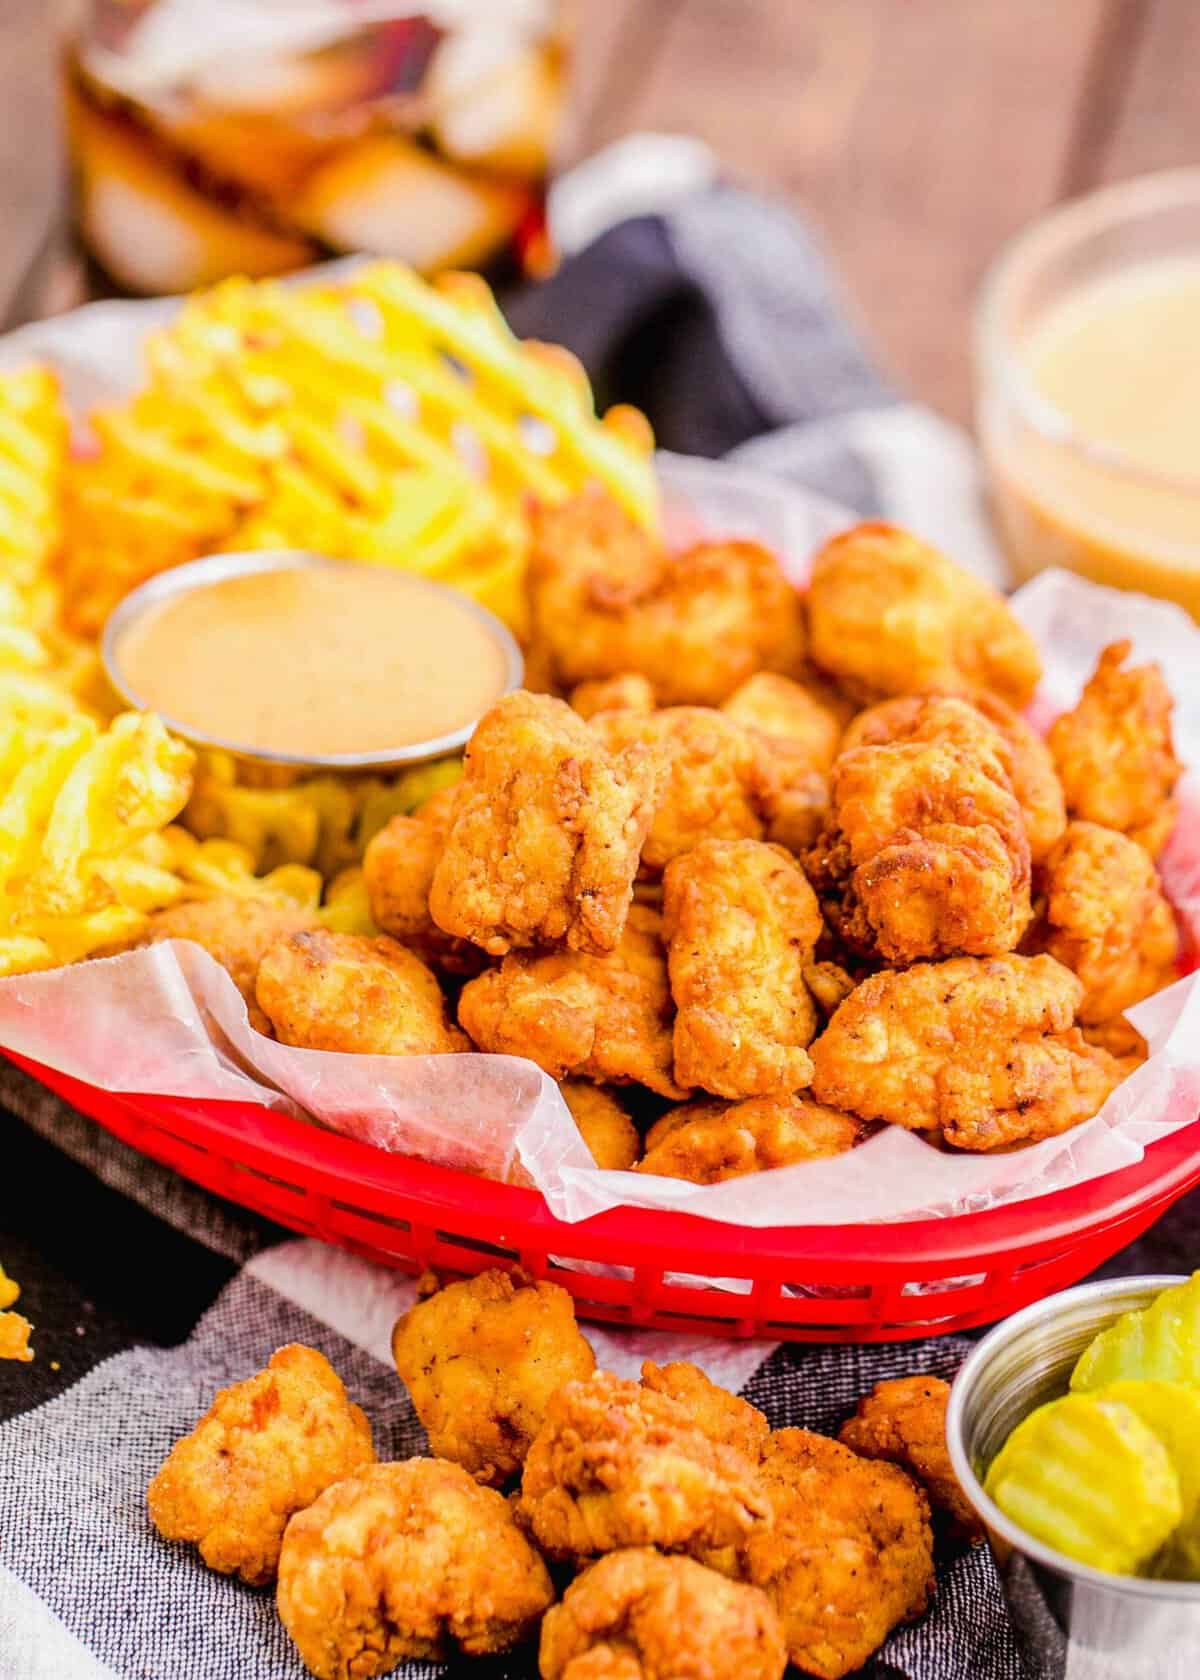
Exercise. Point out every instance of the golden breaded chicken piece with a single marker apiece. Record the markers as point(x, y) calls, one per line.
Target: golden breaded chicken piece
point(807, 714)
point(715, 781)
point(237, 932)
point(708, 1142)
point(264, 1449)
point(603, 1123)
point(480, 1360)
point(904, 1421)
point(398, 868)
point(1115, 752)
point(606, 599)
point(341, 991)
point(829, 984)
point(1107, 919)
point(984, 1051)
point(616, 1464)
point(1121, 1039)
point(405, 1562)
point(850, 1555)
point(630, 692)
point(741, 923)
point(602, 1018)
point(981, 726)
point(924, 854)
point(547, 830)
point(636, 1615)
point(889, 614)
point(721, 1415)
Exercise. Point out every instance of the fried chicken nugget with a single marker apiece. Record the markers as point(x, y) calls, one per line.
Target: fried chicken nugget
point(1107, 919)
point(404, 1562)
point(636, 1615)
point(889, 614)
point(709, 1142)
point(850, 1554)
point(924, 853)
point(398, 867)
point(630, 692)
point(983, 725)
point(480, 1360)
point(721, 1415)
point(581, 1017)
point(237, 932)
point(904, 1421)
point(616, 1464)
point(264, 1449)
point(546, 832)
point(1115, 752)
point(606, 599)
point(741, 923)
point(604, 1125)
point(341, 991)
point(982, 1051)
point(808, 714)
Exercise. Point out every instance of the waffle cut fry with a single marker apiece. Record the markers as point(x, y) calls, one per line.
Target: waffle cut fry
point(324, 822)
point(33, 452)
point(378, 418)
point(76, 802)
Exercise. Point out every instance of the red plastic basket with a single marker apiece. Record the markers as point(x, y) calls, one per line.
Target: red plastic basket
point(853, 1283)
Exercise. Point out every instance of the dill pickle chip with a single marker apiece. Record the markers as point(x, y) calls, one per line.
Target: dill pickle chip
point(1160, 1343)
point(1171, 1412)
point(1088, 1478)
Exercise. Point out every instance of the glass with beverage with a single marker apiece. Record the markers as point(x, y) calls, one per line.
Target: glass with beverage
point(214, 137)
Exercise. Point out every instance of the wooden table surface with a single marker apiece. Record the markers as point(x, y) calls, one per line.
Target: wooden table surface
point(919, 134)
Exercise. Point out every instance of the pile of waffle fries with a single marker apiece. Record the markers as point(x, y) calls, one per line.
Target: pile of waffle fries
point(373, 417)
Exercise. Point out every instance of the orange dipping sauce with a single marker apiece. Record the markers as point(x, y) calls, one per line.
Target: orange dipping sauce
point(314, 662)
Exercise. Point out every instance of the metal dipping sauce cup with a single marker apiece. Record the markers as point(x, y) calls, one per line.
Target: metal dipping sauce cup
point(1074, 1623)
point(216, 568)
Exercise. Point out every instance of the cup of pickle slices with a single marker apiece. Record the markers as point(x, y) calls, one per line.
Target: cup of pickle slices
point(1074, 1428)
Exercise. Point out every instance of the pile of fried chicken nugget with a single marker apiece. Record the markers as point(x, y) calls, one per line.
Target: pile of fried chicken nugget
point(758, 871)
point(653, 1530)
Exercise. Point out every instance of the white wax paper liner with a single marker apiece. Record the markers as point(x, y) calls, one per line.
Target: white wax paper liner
point(168, 1020)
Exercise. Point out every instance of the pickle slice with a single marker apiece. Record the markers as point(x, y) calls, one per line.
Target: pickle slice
point(1162, 1343)
point(1087, 1477)
point(1173, 1414)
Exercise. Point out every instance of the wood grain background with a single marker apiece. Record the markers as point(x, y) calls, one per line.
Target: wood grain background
point(918, 134)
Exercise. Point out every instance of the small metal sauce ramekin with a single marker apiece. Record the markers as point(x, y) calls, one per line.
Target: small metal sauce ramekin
point(1074, 1623)
point(215, 568)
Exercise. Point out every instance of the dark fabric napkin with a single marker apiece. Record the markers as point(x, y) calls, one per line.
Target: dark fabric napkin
point(719, 320)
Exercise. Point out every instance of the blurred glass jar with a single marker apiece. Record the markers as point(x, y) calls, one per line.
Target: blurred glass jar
point(1088, 389)
point(218, 137)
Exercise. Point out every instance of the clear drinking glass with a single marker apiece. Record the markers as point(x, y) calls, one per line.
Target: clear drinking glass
point(1061, 493)
point(214, 137)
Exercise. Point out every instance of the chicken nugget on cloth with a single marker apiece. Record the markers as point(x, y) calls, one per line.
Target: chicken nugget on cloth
point(264, 1449)
point(981, 725)
point(709, 1142)
point(1106, 918)
point(398, 867)
point(889, 614)
point(721, 1415)
point(342, 991)
point(636, 1615)
point(741, 924)
point(630, 692)
point(850, 1554)
point(606, 598)
point(237, 932)
point(604, 1125)
point(903, 1420)
point(480, 1360)
point(582, 1017)
point(546, 831)
point(1115, 751)
point(404, 1562)
point(924, 854)
point(616, 1464)
point(983, 1051)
